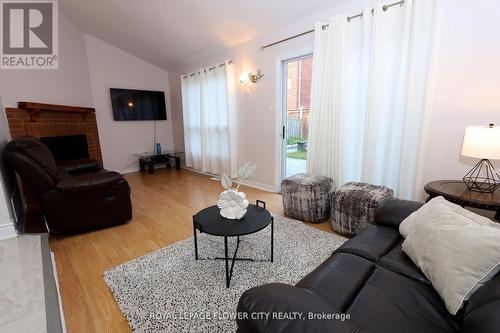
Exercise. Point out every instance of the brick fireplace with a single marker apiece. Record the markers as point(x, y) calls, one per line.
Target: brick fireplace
point(48, 120)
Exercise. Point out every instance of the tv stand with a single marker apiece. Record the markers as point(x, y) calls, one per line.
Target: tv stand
point(147, 161)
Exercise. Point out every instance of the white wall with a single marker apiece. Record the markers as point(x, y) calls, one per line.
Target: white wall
point(110, 67)
point(466, 86)
point(69, 84)
point(6, 222)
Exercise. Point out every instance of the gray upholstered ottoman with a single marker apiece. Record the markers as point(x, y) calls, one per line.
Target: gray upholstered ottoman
point(354, 204)
point(307, 197)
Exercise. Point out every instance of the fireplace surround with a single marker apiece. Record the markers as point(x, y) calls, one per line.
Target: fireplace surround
point(50, 120)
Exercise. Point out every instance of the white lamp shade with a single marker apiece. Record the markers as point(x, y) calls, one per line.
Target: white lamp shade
point(482, 142)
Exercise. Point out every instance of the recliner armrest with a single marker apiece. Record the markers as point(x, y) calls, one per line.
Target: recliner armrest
point(79, 165)
point(392, 212)
point(92, 182)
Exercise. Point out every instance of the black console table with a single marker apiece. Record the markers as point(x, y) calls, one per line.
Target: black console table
point(148, 160)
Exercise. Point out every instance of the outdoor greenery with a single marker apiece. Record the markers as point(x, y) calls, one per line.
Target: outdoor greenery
point(301, 155)
point(292, 140)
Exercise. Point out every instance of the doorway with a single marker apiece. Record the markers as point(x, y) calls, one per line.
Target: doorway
point(296, 107)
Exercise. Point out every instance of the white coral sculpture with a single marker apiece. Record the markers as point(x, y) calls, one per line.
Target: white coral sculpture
point(232, 203)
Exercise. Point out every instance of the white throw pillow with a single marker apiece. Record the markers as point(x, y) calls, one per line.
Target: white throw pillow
point(457, 250)
point(440, 204)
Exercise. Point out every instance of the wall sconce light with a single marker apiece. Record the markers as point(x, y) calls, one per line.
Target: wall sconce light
point(245, 78)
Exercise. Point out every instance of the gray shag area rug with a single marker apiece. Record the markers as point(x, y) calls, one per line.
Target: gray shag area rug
point(169, 291)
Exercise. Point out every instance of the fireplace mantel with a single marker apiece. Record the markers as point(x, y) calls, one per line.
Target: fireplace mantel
point(34, 109)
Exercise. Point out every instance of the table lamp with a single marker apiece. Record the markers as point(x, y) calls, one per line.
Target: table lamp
point(482, 142)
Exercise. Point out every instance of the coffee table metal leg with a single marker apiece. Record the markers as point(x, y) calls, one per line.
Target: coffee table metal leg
point(195, 242)
point(272, 239)
point(229, 270)
point(227, 262)
point(497, 215)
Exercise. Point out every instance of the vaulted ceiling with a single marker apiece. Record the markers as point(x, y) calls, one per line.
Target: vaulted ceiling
point(170, 33)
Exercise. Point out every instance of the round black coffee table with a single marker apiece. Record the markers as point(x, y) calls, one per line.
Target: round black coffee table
point(211, 222)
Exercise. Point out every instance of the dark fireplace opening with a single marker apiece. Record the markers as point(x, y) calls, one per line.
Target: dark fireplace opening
point(67, 148)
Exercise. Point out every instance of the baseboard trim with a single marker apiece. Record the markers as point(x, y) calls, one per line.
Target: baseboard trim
point(260, 186)
point(137, 169)
point(129, 170)
point(257, 185)
point(7, 230)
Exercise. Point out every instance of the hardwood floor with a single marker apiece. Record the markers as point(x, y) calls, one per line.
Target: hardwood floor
point(163, 206)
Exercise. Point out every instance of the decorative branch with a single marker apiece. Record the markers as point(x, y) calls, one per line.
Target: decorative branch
point(226, 182)
point(246, 171)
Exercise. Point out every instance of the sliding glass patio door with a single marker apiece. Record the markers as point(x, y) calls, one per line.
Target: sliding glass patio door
point(296, 107)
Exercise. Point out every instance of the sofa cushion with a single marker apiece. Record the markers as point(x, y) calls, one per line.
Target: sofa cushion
point(383, 245)
point(389, 303)
point(392, 211)
point(397, 261)
point(329, 279)
point(482, 309)
point(263, 304)
point(372, 243)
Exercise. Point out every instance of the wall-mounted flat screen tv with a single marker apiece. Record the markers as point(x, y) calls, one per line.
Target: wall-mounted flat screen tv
point(138, 104)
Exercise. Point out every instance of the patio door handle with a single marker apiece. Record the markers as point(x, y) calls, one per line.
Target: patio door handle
point(283, 133)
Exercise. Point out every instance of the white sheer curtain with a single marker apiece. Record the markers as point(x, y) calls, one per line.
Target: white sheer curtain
point(369, 95)
point(209, 112)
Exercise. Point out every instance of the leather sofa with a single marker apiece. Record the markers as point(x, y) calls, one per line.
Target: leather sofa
point(74, 197)
point(370, 279)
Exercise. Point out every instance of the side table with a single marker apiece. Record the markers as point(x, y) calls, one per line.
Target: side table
point(457, 192)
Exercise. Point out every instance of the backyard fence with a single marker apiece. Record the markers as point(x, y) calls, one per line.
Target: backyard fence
point(293, 127)
point(296, 126)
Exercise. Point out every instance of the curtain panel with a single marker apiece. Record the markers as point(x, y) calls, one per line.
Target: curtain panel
point(209, 116)
point(370, 93)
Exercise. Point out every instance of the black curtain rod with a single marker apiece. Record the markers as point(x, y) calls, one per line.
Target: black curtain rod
point(324, 26)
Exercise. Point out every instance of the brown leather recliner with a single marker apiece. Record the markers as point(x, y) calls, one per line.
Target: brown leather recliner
point(71, 202)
